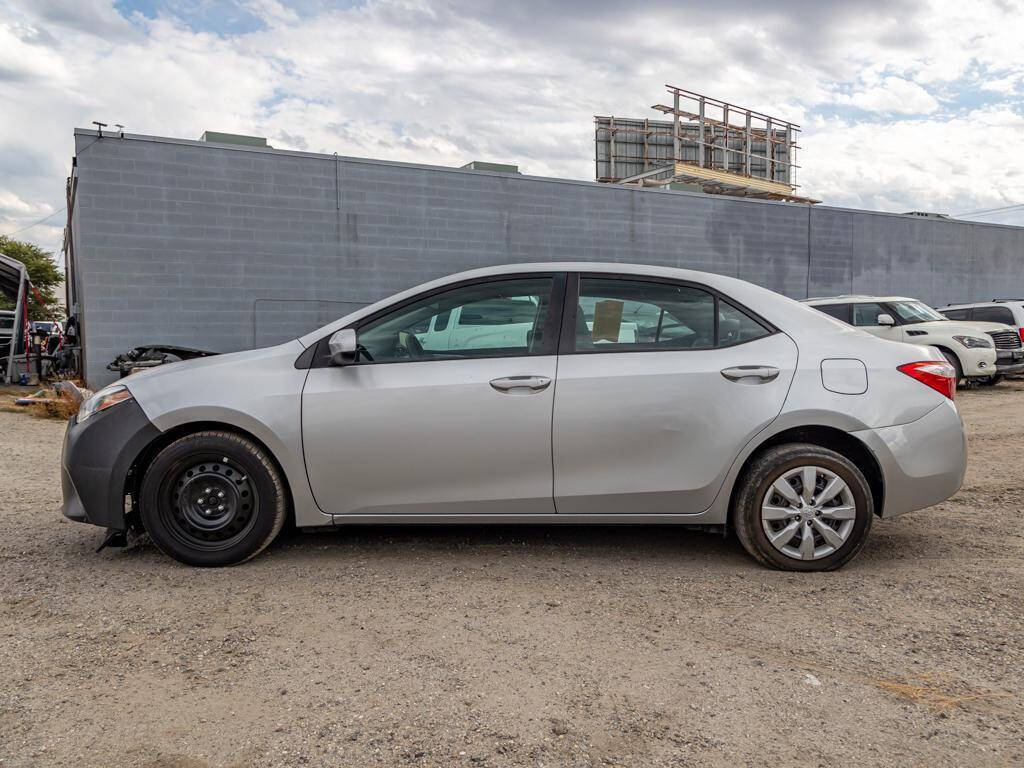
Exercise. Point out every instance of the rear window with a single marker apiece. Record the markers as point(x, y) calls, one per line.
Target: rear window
point(838, 311)
point(957, 314)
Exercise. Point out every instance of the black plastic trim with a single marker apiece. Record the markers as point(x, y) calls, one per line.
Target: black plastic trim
point(97, 457)
point(305, 360)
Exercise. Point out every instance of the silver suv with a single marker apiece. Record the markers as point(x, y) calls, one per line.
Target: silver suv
point(533, 393)
point(1009, 312)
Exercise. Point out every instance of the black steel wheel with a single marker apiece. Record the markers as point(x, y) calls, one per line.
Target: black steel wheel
point(212, 498)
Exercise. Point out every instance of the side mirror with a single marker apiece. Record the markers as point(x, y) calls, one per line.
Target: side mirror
point(885, 319)
point(343, 347)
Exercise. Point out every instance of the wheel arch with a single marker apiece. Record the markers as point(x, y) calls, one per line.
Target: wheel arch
point(824, 436)
point(140, 464)
point(948, 350)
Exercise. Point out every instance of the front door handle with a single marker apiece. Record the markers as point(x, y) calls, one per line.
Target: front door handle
point(524, 384)
point(758, 374)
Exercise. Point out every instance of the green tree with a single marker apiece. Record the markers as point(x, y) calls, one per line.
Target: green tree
point(44, 274)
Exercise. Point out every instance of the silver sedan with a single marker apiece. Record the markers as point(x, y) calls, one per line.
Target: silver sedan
point(536, 393)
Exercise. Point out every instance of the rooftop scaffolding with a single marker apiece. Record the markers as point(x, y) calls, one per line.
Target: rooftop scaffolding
point(708, 143)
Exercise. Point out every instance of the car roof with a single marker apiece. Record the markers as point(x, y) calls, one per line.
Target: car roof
point(855, 297)
point(774, 307)
point(992, 303)
point(614, 267)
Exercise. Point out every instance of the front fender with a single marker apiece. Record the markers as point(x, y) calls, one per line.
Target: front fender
point(280, 434)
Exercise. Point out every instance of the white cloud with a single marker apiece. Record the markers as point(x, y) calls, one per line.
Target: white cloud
point(894, 95)
point(448, 82)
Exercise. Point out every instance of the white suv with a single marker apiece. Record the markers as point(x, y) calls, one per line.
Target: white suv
point(970, 346)
point(1007, 311)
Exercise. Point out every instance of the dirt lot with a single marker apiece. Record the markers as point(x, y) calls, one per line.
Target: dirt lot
point(517, 647)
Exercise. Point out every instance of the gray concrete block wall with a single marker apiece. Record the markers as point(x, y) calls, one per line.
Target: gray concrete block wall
point(229, 248)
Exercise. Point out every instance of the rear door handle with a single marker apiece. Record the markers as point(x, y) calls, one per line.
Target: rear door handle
point(760, 374)
point(522, 384)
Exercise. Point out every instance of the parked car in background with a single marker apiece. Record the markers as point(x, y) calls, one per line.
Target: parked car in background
point(48, 332)
point(596, 393)
point(970, 347)
point(6, 338)
point(1009, 312)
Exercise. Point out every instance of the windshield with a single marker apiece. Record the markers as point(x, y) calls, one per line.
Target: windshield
point(911, 312)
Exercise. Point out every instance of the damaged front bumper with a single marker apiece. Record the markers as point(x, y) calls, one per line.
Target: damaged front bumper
point(96, 459)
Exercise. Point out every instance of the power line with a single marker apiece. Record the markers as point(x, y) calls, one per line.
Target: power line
point(35, 223)
point(1013, 207)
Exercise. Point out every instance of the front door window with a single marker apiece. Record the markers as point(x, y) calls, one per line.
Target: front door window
point(497, 318)
point(867, 314)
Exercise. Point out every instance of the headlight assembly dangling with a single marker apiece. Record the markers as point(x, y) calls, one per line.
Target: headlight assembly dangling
point(105, 398)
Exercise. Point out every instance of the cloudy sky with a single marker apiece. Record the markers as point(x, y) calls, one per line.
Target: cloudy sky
point(905, 104)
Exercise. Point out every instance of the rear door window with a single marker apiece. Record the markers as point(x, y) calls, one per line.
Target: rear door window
point(957, 314)
point(993, 315)
point(616, 314)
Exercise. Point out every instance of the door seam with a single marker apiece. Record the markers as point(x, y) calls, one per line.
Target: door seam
point(551, 432)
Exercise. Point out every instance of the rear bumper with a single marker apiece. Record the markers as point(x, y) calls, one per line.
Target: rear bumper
point(95, 462)
point(923, 462)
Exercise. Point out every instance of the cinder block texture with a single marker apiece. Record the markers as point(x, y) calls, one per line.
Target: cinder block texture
point(228, 247)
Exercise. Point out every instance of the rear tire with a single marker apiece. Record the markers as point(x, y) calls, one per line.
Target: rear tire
point(820, 535)
point(212, 499)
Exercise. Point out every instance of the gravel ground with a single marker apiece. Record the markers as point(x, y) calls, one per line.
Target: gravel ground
point(517, 646)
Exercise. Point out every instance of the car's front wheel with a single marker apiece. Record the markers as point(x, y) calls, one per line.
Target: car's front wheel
point(955, 362)
point(802, 507)
point(212, 498)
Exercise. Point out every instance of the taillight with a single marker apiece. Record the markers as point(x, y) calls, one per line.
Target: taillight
point(939, 376)
point(1021, 330)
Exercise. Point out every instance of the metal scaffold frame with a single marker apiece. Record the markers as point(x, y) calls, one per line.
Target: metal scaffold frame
point(713, 144)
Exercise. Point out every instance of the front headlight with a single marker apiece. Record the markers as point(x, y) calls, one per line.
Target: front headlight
point(105, 398)
point(974, 342)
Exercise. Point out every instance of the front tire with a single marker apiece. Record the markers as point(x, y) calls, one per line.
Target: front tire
point(212, 499)
point(802, 507)
point(955, 362)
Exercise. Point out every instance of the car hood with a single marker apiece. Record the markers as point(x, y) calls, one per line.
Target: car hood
point(186, 367)
point(957, 327)
point(202, 372)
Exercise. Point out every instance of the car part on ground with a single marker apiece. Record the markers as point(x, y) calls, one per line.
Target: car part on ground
point(152, 355)
point(512, 394)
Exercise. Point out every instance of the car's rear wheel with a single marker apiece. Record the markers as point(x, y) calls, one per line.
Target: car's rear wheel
point(802, 507)
point(212, 499)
